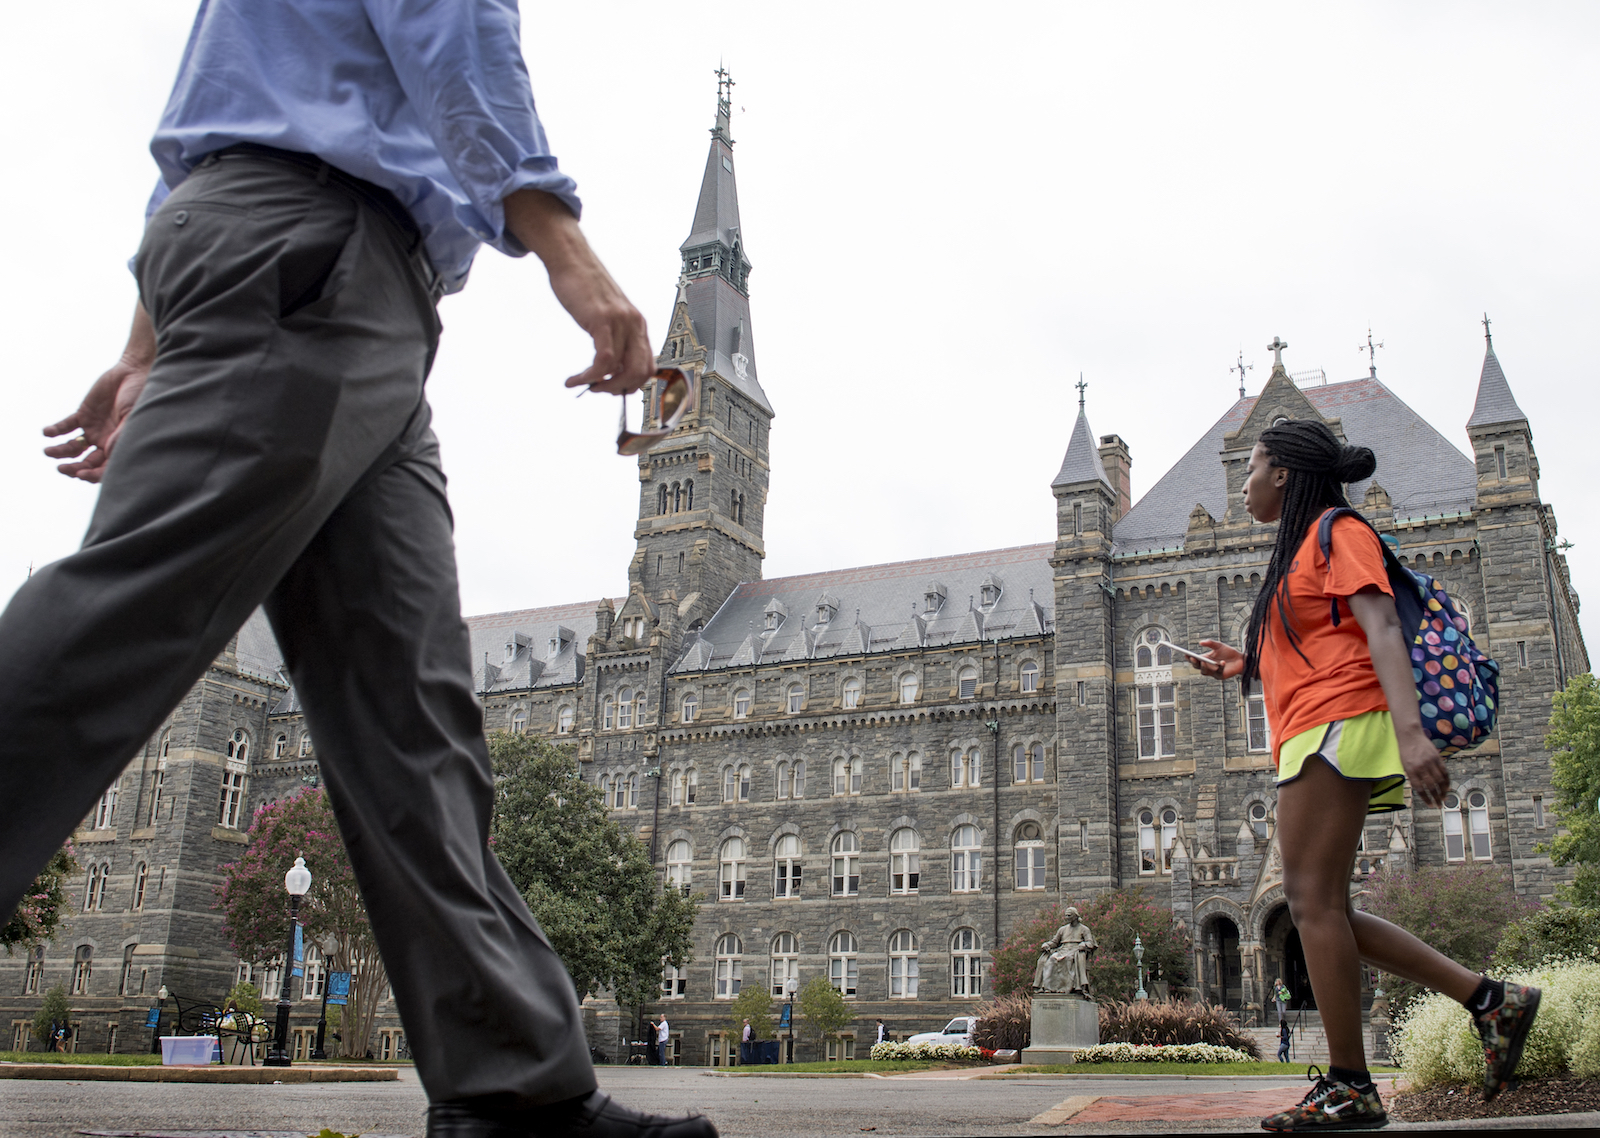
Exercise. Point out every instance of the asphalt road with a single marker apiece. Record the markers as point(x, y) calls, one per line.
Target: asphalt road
point(743, 1107)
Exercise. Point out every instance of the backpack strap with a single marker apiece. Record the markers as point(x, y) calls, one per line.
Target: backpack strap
point(1325, 543)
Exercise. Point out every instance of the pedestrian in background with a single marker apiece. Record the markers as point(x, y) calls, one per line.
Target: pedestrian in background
point(664, 1041)
point(1283, 1041)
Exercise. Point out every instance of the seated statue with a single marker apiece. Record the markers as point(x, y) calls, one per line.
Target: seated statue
point(1064, 959)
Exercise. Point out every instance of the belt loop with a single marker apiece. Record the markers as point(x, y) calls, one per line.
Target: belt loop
point(322, 174)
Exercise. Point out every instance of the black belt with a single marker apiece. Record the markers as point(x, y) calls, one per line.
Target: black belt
point(376, 197)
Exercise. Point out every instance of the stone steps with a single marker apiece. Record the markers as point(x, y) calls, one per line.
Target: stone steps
point(1308, 1042)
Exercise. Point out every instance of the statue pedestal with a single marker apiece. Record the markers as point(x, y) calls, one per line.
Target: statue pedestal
point(1062, 1026)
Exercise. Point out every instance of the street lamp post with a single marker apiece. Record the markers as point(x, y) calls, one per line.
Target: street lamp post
point(155, 1032)
point(328, 945)
point(791, 986)
point(297, 881)
point(1138, 956)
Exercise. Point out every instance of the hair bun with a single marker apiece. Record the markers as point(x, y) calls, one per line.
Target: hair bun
point(1355, 464)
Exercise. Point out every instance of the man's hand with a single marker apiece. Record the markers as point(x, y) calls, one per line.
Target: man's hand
point(1224, 663)
point(623, 359)
point(100, 416)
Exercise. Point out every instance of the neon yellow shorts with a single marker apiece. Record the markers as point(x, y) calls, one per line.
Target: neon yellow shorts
point(1362, 749)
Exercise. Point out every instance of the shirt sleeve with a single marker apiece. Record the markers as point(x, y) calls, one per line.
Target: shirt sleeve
point(1355, 560)
point(460, 65)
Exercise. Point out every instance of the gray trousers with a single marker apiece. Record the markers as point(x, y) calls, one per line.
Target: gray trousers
point(281, 454)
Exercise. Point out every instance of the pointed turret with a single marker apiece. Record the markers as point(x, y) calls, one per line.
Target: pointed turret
point(1086, 502)
point(1082, 463)
point(1495, 402)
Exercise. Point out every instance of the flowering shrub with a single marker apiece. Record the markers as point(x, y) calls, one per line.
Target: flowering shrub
point(1171, 1053)
point(1435, 1042)
point(891, 1050)
point(43, 906)
point(1162, 1023)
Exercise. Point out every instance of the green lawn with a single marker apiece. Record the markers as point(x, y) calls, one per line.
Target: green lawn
point(140, 1060)
point(1171, 1069)
point(848, 1066)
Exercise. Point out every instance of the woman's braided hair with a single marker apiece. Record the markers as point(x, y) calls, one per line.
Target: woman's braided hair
point(1319, 467)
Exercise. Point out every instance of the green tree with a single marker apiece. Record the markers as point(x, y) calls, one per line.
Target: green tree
point(255, 909)
point(823, 1011)
point(1115, 918)
point(1559, 931)
point(1574, 736)
point(1459, 910)
point(43, 906)
point(754, 1003)
point(588, 881)
point(54, 1009)
point(246, 998)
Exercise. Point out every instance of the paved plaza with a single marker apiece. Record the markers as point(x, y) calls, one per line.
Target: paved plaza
point(935, 1103)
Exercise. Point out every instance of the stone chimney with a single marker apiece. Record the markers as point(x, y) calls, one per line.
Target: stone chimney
point(1119, 466)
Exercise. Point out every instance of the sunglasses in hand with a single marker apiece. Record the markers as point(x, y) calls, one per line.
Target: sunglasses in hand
point(672, 393)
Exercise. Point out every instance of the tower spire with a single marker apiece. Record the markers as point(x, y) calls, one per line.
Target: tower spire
point(1372, 353)
point(724, 106)
point(1241, 367)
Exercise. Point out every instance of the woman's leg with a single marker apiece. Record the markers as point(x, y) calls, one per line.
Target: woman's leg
point(1391, 949)
point(1320, 816)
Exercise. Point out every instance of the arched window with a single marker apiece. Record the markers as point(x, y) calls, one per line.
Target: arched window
point(908, 688)
point(124, 988)
point(741, 509)
point(965, 860)
point(161, 776)
point(619, 798)
point(786, 867)
point(797, 699)
point(1258, 820)
point(1155, 842)
point(741, 703)
point(82, 969)
point(688, 504)
point(1030, 677)
point(661, 500)
point(965, 767)
point(1155, 696)
point(842, 963)
point(608, 714)
point(799, 790)
point(783, 780)
point(733, 505)
point(625, 709)
point(1478, 824)
point(744, 783)
point(905, 863)
point(785, 962)
point(846, 865)
point(966, 964)
point(1258, 733)
point(280, 746)
point(692, 787)
point(633, 792)
point(679, 865)
point(35, 971)
point(105, 810)
point(604, 783)
point(846, 776)
point(852, 692)
point(905, 772)
point(902, 965)
point(93, 889)
point(730, 783)
point(1027, 763)
point(231, 804)
point(141, 874)
point(677, 497)
point(564, 721)
point(1455, 848)
point(691, 704)
point(305, 744)
point(1030, 856)
point(519, 721)
point(730, 967)
point(732, 870)
point(967, 683)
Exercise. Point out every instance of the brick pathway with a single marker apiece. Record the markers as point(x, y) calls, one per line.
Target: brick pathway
point(1207, 1106)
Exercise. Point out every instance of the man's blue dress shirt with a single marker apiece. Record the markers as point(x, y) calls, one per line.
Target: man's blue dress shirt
point(429, 99)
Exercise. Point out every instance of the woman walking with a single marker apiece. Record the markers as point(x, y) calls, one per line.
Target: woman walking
point(1329, 687)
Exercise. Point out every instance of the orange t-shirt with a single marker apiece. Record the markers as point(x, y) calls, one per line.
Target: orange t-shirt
point(1339, 681)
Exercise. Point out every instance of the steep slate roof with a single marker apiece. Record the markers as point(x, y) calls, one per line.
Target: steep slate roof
point(531, 664)
point(1495, 402)
point(1082, 463)
point(257, 649)
point(1420, 469)
point(880, 609)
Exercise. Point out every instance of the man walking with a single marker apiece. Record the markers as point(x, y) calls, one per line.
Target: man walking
point(328, 170)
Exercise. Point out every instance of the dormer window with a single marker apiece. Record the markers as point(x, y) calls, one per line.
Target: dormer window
point(991, 590)
point(774, 615)
point(933, 599)
point(827, 606)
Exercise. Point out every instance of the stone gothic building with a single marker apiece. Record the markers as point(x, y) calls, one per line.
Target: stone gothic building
point(875, 773)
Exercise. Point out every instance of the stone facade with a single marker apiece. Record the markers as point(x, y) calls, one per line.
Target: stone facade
point(980, 735)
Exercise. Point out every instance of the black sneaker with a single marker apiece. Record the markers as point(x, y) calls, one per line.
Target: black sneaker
point(1504, 1032)
point(1330, 1105)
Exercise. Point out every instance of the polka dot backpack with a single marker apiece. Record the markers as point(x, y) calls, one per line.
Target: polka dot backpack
point(1457, 684)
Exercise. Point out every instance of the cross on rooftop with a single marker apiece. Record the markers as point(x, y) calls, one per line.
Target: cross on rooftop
point(1080, 385)
point(1241, 367)
point(1372, 353)
point(1488, 339)
point(1277, 347)
point(724, 83)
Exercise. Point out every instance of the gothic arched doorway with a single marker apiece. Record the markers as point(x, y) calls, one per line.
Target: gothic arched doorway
point(1223, 969)
point(1287, 959)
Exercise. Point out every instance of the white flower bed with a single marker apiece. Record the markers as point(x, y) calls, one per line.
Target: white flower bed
point(1171, 1053)
point(889, 1050)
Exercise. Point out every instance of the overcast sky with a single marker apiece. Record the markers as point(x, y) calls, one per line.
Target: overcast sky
point(952, 210)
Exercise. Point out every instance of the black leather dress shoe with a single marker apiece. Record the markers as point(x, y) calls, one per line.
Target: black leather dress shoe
point(596, 1116)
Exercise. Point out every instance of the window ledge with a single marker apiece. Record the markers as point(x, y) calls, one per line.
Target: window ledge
point(1253, 761)
point(1155, 768)
point(223, 834)
point(95, 836)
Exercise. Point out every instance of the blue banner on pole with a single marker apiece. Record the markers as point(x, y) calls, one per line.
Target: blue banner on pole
point(338, 987)
point(152, 1018)
point(783, 1019)
point(299, 951)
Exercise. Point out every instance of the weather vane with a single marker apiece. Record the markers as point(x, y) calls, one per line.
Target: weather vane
point(1488, 339)
point(1372, 352)
point(1080, 385)
point(1241, 367)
